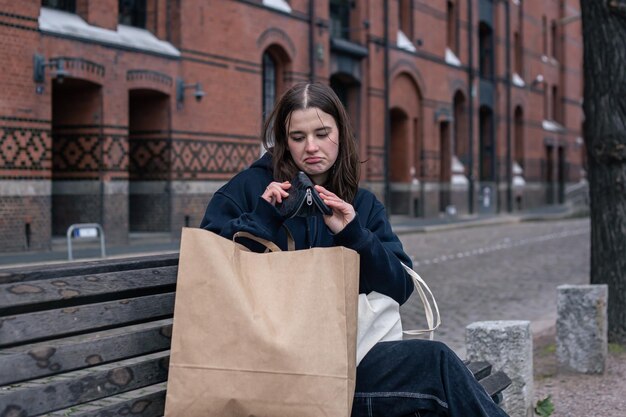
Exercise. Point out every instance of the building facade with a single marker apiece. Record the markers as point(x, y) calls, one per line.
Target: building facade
point(131, 113)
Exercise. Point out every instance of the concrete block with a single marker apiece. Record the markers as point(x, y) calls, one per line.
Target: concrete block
point(508, 346)
point(581, 328)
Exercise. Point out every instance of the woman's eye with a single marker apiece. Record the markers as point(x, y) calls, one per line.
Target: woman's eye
point(322, 135)
point(297, 138)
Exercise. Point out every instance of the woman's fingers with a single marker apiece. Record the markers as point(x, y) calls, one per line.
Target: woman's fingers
point(343, 212)
point(276, 191)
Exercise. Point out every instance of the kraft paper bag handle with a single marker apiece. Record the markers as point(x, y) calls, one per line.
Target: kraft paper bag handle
point(422, 289)
point(271, 246)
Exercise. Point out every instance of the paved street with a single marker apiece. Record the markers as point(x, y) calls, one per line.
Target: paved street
point(504, 272)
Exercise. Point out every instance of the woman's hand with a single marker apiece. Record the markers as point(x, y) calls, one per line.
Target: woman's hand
point(343, 212)
point(275, 192)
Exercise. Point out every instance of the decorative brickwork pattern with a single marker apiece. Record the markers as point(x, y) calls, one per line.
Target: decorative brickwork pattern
point(24, 149)
point(149, 158)
point(79, 66)
point(197, 159)
point(154, 76)
point(86, 155)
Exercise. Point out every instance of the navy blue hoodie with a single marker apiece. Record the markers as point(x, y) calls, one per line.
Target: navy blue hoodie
point(238, 206)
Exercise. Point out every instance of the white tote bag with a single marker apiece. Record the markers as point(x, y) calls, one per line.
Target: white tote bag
point(379, 317)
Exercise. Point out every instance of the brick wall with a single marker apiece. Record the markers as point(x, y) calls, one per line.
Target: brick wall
point(24, 223)
point(116, 119)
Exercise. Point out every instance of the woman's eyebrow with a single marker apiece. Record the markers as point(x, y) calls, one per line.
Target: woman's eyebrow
point(323, 128)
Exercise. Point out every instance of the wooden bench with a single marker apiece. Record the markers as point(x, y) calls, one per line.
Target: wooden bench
point(93, 338)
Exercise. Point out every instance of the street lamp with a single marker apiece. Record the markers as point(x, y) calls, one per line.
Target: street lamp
point(39, 68)
point(198, 93)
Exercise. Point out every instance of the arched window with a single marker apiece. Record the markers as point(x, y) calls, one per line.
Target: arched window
point(269, 83)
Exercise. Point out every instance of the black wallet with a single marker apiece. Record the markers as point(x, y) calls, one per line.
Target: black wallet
point(303, 200)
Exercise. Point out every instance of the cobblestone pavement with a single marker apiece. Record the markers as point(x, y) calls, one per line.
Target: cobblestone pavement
point(503, 272)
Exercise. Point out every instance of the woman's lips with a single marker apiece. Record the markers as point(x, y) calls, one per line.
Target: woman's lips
point(314, 160)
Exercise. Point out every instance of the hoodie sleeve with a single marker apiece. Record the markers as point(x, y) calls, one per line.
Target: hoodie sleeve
point(380, 253)
point(243, 211)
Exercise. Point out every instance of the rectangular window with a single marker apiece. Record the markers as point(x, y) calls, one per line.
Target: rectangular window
point(405, 17)
point(132, 13)
point(65, 5)
point(519, 54)
point(544, 33)
point(485, 46)
point(554, 34)
point(452, 27)
point(340, 19)
point(556, 105)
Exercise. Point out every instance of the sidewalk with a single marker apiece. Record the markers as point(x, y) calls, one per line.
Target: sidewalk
point(142, 244)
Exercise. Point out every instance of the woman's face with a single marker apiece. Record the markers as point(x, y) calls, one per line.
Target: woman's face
point(313, 141)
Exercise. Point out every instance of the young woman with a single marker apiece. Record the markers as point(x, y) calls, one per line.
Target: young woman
point(309, 131)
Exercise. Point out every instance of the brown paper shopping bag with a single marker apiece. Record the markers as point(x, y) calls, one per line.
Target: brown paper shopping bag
point(262, 334)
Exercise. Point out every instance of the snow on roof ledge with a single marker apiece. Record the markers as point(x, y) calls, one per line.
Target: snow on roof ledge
point(56, 21)
point(552, 126)
point(281, 5)
point(404, 42)
point(451, 58)
point(517, 80)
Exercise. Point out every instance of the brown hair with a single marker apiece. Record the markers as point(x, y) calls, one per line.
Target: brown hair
point(344, 178)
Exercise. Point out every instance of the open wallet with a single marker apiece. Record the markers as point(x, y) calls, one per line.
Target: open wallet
point(303, 200)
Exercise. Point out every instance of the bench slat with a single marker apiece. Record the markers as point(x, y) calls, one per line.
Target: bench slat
point(53, 323)
point(479, 369)
point(57, 289)
point(144, 402)
point(66, 390)
point(62, 355)
point(29, 273)
point(495, 383)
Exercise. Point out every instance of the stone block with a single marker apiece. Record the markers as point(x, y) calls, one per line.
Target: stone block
point(581, 328)
point(508, 346)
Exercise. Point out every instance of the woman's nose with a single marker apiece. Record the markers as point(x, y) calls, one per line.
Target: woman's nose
point(311, 145)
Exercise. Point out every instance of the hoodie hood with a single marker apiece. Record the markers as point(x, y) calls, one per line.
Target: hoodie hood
point(264, 162)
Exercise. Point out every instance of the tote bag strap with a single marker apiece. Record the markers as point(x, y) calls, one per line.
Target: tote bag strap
point(433, 320)
point(271, 246)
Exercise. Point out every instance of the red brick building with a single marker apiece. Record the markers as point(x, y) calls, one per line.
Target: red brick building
point(131, 113)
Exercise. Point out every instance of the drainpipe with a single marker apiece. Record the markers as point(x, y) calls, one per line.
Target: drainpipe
point(312, 40)
point(387, 121)
point(509, 178)
point(470, 110)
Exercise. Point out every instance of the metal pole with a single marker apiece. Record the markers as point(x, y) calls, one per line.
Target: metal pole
point(470, 110)
point(312, 40)
point(509, 168)
point(387, 144)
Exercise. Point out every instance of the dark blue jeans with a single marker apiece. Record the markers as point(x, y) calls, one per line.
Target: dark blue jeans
point(418, 378)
